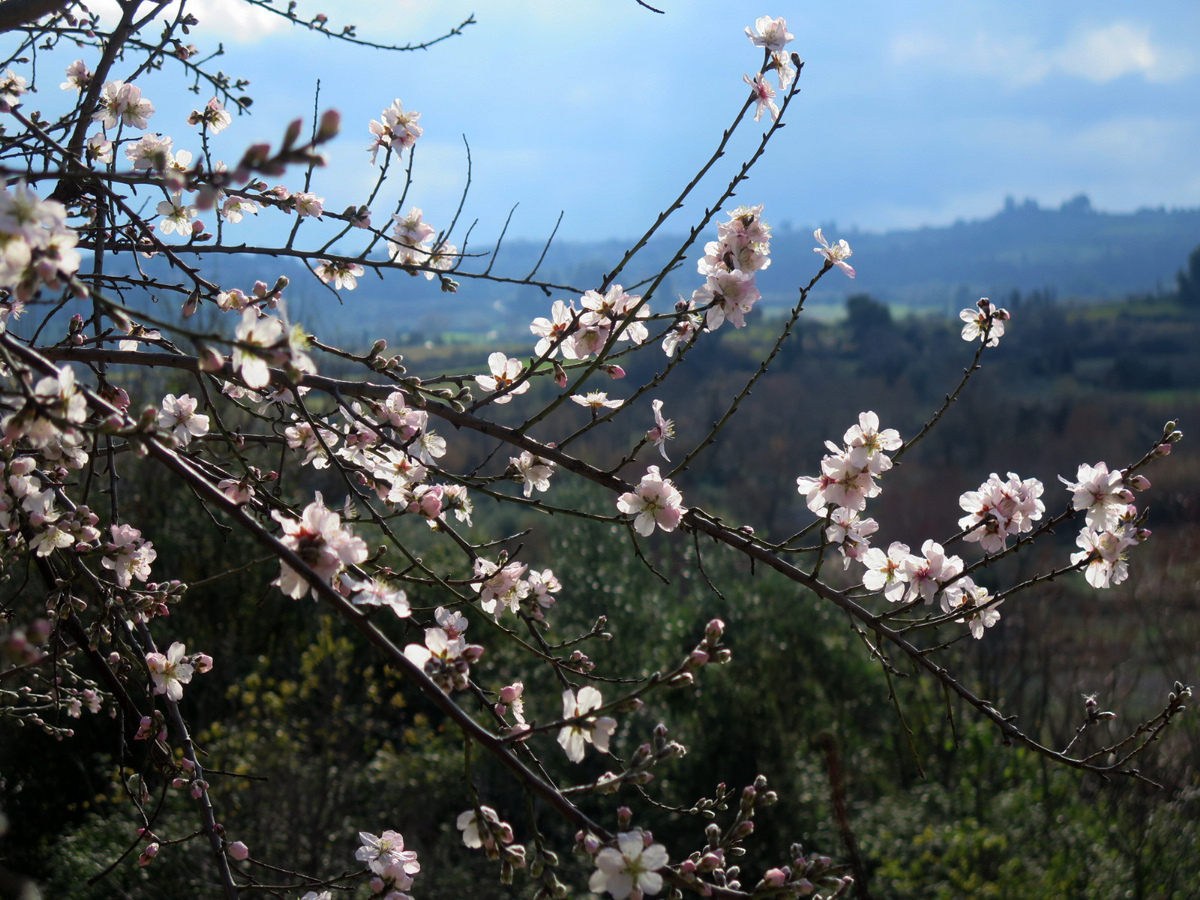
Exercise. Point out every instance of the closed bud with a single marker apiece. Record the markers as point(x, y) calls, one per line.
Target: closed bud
point(773, 878)
point(330, 125)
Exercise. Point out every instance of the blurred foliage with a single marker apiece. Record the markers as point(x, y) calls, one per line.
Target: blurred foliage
point(310, 740)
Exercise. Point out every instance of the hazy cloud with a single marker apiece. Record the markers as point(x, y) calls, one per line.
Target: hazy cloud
point(1098, 54)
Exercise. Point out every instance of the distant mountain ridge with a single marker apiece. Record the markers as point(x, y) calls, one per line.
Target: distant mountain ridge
point(1072, 251)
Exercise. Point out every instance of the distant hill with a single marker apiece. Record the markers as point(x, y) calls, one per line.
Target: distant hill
point(1073, 251)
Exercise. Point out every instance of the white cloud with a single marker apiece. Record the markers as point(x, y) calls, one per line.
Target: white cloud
point(1102, 54)
point(233, 21)
point(1097, 54)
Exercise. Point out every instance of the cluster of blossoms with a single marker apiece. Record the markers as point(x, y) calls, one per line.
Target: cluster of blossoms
point(396, 129)
point(123, 106)
point(319, 539)
point(29, 507)
point(743, 247)
point(446, 656)
point(906, 577)
point(848, 473)
point(391, 865)
point(999, 509)
point(840, 493)
point(264, 341)
point(581, 333)
point(772, 35)
point(412, 246)
point(1111, 521)
point(501, 586)
point(37, 249)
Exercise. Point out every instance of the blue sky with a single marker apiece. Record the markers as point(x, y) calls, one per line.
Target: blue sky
point(911, 113)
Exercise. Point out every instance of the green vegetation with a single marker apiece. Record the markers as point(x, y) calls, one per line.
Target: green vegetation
point(311, 729)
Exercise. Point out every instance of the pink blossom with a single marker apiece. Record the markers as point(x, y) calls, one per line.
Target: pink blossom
point(446, 660)
point(378, 592)
point(562, 322)
point(771, 34)
point(978, 608)
point(727, 295)
point(499, 586)
point(654, 502)
point(764, 96)
point(385, 855)
point(534, 471)
point(663, 430)
point(886, 571)
point(482, 827)
point(631, 868)
point(339, 274)
point(835, 254)
point(170, 671)
point(505, 372)
point(926, 575)
point(985, 322)
point(999, 509)
point(596, 401)
point(214, 117)
point(1101, 492)
point(1104, 553)
point(178, 416)
point(850, 533)
point(128, 555)
point(308, 204)
point(592, 730)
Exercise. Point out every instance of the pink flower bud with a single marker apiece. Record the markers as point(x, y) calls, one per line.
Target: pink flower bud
point(203, 663)
point(511, 692)
point(774, 878)
point(147, 855)
point(714, 629)
point(1139, 482)
point(614, 372)
point(238, 851)
point(331, 124)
